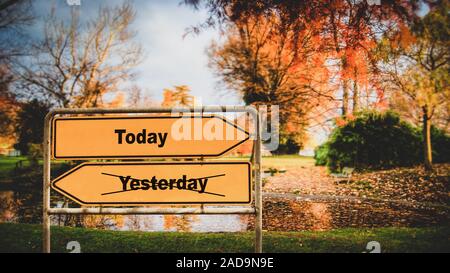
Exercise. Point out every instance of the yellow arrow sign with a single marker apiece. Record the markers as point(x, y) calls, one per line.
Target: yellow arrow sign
point(140, 183)
point(144, 136)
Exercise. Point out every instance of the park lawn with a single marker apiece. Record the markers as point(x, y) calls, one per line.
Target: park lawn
point(7, 164)
point(27, 238)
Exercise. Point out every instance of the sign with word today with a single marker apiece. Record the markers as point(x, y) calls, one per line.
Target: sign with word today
point(140, 183)
point(144, 136)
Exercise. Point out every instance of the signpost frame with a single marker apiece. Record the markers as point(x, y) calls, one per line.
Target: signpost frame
point(256, 160)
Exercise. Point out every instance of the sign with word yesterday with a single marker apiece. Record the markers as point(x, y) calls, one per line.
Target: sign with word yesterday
point(140, 183)
point(144, 136)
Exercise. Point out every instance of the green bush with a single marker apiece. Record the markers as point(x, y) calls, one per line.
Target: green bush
point(30, 125)
point(34, 154)
point(440, 143)
point(379, 140)
point(288, 143)
point(320, 154)
point(373, 140)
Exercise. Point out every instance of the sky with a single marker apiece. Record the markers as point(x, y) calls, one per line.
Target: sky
point(170, 56)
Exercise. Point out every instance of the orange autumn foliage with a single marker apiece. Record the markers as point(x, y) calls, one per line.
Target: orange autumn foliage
point(267, 66)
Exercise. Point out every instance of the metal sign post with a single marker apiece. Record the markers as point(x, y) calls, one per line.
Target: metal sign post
point(256, 155)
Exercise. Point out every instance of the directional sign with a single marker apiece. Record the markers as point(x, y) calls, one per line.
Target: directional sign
point(140, 183)
point(144, 136)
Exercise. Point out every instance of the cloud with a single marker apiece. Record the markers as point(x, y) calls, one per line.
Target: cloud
point(172, 58)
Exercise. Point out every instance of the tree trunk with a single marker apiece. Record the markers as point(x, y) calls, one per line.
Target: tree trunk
point(426, 132)
point(355, 92)
point(344, 97)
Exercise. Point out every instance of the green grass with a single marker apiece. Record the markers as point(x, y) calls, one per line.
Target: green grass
point(7, 164)
point(27, 238)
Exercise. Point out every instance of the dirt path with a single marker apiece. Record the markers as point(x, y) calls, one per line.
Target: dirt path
point(311, 180)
